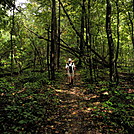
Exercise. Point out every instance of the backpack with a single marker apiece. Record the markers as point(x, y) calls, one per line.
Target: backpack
point(70, 67)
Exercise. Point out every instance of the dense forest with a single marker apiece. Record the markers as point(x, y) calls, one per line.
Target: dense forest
point(36, 39)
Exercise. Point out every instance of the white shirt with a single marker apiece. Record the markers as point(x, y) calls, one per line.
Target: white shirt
point(70, 64)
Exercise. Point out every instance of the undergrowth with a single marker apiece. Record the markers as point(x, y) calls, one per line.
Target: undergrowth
point(26, 104)
point(114, 114)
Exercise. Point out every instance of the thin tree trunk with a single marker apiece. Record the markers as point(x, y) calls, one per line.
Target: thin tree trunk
point(12, 43)
point(48, 54)
point(58, 46)
point(131, 29)
point(118, 42)
point(82, 32)
point(90, 45)
point(53, 40)
point(37, 53)
point(132, 24)
point(34, 60)
point(110, 40)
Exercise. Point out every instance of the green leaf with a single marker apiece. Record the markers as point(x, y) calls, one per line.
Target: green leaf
point(22, 122)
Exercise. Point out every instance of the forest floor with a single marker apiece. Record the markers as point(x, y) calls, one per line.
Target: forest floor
point(76, 111)
point(29, 105)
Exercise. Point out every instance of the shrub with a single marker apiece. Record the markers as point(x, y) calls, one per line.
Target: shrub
point(26, 110)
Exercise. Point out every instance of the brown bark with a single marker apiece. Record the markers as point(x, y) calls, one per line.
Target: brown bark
point(110, 40)
point(58, 45)
point(48, 53)
point(118, 42)
point(53, 40)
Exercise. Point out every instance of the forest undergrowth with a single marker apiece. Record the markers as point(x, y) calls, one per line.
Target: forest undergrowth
point(92, 109)
point(27, 106)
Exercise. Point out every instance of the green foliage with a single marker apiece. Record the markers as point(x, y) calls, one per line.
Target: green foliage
point(25, 101)
point(25, 110)
point(116, 112)
point(90, 89)
point(36, 76)
point(85, 75)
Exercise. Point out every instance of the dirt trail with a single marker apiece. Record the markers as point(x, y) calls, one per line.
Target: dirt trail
point(73, 116)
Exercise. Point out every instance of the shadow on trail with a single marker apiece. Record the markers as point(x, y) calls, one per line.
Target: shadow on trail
point(76, 113)
point(73, 116)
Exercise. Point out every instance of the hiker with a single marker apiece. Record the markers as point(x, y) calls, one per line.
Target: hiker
point(70, 67)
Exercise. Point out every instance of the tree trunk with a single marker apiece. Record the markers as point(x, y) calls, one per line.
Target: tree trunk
point(37, 54)
point(12, 43)
point(110, 40)
point(132, 28)
point(48, 54)
point(58, 46)
point(82, 32)
point(90, 44)
point(118, 42)
point(132, 33)
point(53, 40)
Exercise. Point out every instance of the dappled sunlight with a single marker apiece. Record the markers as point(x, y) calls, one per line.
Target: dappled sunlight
point(74, 114)
point(79, 111)
point(78, 108)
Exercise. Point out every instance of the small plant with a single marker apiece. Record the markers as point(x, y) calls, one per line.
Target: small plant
point(120, 108)
point(26, 110)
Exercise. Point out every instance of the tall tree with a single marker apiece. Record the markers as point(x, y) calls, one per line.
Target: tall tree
point(89, 37)
point(48, 50)
point(110, 39)
point(82, 31)
point(118, 41)
point(12, 42)
point(132, 26)
point(53, 39)
point(58, 42)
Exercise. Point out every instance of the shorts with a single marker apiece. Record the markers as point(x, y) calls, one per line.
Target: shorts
point(70, 74)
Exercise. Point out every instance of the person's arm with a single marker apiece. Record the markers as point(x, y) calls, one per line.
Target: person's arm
point(66, 67)
point(74, 67)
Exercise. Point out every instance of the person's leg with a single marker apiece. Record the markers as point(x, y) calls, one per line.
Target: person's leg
point(72, 78)
point(69, 78)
